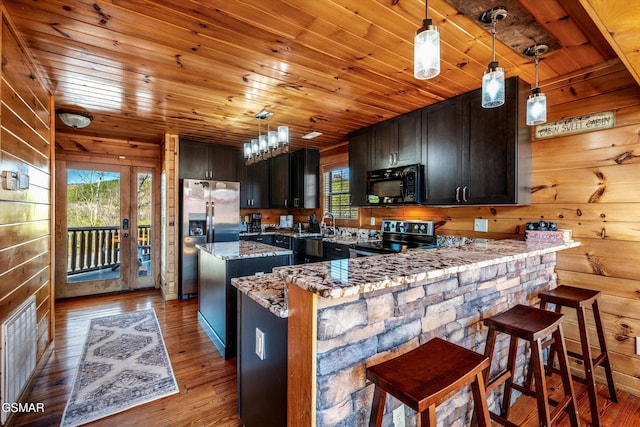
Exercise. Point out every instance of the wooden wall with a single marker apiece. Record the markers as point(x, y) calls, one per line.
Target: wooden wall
point(589, 183)
point(25, 215)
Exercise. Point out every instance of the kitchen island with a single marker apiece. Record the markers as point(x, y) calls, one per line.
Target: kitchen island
point(345, 315)
point(218, 263)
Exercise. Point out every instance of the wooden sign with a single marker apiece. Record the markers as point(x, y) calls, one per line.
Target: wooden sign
point(588, 123)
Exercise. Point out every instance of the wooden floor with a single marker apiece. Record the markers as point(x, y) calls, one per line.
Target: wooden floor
point(208, 384)
point(208, 393)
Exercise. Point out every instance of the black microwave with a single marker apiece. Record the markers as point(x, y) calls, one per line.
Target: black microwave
point(394, 186)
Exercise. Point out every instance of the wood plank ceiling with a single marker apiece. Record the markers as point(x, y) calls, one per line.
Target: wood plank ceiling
point(204, 69)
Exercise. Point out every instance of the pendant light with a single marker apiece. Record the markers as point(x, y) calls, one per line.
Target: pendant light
point(269, 144)
point(537, 102)
point(493, 78)
point(426, 49)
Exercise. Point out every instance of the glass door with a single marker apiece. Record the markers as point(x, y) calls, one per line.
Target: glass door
point(97, 229)
point(143, 216)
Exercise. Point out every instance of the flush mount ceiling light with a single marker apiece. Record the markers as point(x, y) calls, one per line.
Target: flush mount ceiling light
point(269, 144)
point(493, 78)
point(537, 102)
point(426, 49)
point(74, 119)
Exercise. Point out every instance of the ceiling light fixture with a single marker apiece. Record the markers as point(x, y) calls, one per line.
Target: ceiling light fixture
point(426, 49)
point(537, 102)
point(269, 144)
point(74, 119)
point(493, 78)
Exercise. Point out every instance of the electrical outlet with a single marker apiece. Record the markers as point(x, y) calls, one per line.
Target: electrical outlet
point(260, 343)
point(481, 225)
point(372, 221)
point(638, 346)
point(398, 416)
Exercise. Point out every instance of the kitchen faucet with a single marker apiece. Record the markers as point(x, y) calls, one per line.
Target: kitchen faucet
point(332, 223)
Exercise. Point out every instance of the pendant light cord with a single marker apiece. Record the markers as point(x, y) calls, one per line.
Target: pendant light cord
point(493, 38)
point(536, 62)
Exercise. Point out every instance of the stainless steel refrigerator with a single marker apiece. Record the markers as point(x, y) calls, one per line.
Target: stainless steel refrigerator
point(210, 212)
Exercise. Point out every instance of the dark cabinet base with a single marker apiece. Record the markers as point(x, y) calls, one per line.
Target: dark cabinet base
point(262, 383)
point(217, 298)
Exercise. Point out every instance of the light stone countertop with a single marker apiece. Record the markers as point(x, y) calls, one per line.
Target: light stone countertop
point(242, 249)
point(341, 278)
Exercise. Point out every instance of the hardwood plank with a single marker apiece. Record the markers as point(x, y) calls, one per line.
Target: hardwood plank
point(208, 384)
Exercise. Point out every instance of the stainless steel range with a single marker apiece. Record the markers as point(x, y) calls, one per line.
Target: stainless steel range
point(398, 235)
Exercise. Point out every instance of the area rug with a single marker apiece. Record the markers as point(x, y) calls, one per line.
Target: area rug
point(124, 363)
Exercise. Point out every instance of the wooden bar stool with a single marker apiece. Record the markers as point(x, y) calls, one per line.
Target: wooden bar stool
point(533, 325)
point(579, 299)
point(427, 376)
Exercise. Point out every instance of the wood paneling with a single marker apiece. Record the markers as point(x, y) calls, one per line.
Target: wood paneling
point(587, 183)
point(25, 214)
point(144, 69)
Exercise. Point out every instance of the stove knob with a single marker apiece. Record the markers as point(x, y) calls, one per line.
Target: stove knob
point(422, 228)
point(416, 227)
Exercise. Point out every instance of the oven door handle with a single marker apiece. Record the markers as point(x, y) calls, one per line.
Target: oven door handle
point(354, 253)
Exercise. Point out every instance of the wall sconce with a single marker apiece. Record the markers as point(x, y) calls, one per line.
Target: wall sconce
point(493, 78)
point(269, 144)
point(537, 102)
point(74, 119)
point(426, 49)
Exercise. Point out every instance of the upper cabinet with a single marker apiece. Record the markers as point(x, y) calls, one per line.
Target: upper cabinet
point(254, 183)
point(476, 155)
point(200, 160)
point(396, 142)
point(305, 179)
point(280, 172)
point(359, 164)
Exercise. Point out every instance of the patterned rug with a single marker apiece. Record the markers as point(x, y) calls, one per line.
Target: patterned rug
point(124, 364)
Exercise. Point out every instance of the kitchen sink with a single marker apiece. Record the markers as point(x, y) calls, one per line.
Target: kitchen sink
point(308, 246)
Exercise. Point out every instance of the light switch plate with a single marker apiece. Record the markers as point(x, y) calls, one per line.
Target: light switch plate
point(481, 225)
point(372, 221)
point(260, 343)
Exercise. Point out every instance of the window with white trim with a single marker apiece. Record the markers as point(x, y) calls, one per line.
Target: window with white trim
point(337, 199)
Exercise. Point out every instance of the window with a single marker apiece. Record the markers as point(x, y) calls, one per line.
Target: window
point(336, 194)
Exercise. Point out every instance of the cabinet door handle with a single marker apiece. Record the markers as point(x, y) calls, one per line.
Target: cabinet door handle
point(390, 159)
point(337, 249)
point(458, 194)
point(286, 202)
point(464, 194)
point(395, 158)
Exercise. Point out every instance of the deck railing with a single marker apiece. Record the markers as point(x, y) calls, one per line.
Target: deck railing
point(95, 248)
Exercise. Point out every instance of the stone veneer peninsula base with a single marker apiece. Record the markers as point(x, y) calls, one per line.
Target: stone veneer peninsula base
point(349, 314)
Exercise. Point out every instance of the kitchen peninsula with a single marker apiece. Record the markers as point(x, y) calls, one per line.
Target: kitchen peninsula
point(345, 315)
point(217, 264)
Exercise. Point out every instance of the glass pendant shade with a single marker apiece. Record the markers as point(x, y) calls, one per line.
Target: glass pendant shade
point(493, 86)
point(273, 139)
point(536, 108)
point(247, 150)
point(255, 147)
point(283, 135)
point(426, 52)
point(263, 143)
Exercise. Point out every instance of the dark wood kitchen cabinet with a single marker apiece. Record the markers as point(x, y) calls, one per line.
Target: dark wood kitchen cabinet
point(475, 155)
point(254, 184)
point(201, 160)
point(396, 142)
point(280, 181)
point(359, 164)
point(305, 179)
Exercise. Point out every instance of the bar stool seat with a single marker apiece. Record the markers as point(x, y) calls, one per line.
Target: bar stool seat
point(533, 325)
point(427, 376)
point(579, 299)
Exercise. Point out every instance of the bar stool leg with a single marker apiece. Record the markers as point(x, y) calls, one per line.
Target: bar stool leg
point(480, 408)
point(508, 384)
point(542, 395)
point(377, 407)
point(427, 418)
point(565, 370)
point(590, 380)
point(606, 363)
